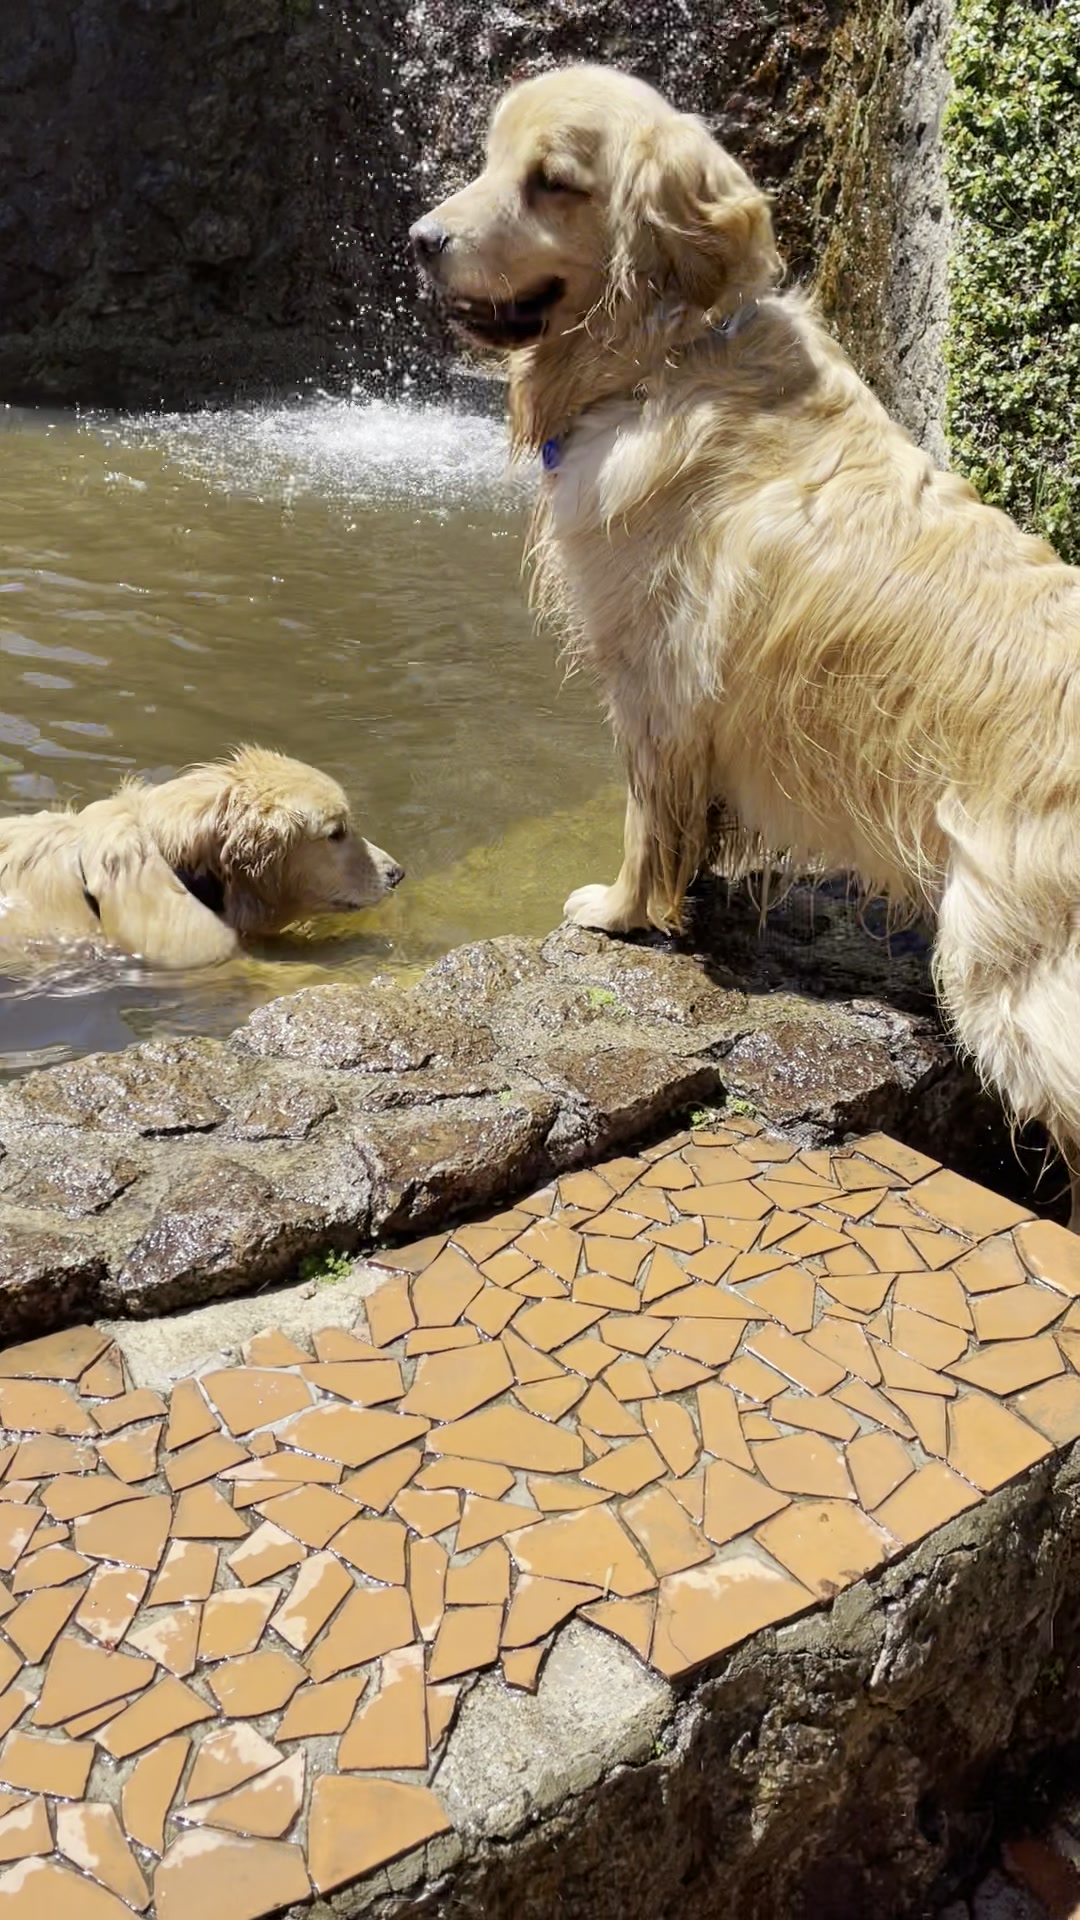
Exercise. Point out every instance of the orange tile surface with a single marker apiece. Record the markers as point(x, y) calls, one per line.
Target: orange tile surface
point(685, 1395)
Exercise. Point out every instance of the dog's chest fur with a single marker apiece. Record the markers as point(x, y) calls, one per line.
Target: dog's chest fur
point(624, 602)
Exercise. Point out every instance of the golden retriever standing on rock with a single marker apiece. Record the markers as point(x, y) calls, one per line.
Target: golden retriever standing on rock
point(175, 873)
point(787, 607)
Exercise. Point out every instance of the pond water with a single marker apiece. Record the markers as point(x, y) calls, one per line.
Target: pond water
point(338, 579)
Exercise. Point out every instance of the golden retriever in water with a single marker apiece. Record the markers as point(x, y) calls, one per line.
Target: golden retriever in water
point(176, 873)
point(788, 609)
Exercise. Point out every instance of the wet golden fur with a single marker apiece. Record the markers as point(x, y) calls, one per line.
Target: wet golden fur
point(787, 608)
point(266, 839)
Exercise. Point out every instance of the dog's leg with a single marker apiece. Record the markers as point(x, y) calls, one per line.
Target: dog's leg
point(1012, 988)
point(624, 906)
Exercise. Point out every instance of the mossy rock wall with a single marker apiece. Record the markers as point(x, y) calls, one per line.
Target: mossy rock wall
point(1012, 159)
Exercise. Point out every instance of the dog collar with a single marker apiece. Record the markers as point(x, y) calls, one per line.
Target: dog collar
point(551, 453)
point(737, 321)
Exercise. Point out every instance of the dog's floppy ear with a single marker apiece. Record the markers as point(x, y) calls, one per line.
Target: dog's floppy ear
point(687, 220)
point(254, 832)
point(143, 907)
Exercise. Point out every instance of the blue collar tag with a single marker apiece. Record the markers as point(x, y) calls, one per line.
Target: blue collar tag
point(551, 454)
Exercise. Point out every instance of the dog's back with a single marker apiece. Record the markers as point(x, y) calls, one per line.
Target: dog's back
point(42, 892)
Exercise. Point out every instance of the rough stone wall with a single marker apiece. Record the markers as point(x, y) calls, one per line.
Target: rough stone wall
point(197, 196)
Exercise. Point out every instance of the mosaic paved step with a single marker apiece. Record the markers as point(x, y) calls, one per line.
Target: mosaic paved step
point(685, 1395)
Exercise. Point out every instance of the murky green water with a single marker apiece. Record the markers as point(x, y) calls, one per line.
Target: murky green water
point(339, 580)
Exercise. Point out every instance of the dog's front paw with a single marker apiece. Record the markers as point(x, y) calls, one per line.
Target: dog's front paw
point(602, 909)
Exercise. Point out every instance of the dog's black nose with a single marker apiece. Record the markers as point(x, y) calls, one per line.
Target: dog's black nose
point(428, 238)
point(395, 876)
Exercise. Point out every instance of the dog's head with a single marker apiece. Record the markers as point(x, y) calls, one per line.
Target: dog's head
point(598, 205)
point(276, 838)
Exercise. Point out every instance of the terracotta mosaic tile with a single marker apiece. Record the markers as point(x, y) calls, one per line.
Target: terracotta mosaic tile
point(58, 1356)
point(1054, 1408)
point(878, 1464)
point(46, 1763)
point(715, 1436)
point(389, 1312)
point(988, 1444)
point(202, 1513)
point(147, 1793)
point(926, 1413)
point(25, 1832)
point(373, 1621)
point(447, 1386)
point(91, 1837)
point(1011, 1365)
point(355, 1826)
point(826, 1544)
point(466, 1642)
point(804, 1463)
point(35, 1624)
point(412, 1258)
point(927, 1500)
point(222, 1876)
point(53, 1567)
point(929, 1341)
point(970, 1209)
point(706, 1610)
point(589, 1546)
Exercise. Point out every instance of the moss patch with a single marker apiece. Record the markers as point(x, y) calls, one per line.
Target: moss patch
point(1012, 158)
point(855, 202)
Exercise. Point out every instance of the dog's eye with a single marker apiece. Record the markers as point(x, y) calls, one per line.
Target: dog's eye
point(543, 182)
point(337, 833)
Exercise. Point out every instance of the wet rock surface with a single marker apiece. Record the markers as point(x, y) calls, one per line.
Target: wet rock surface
point(337, 1118)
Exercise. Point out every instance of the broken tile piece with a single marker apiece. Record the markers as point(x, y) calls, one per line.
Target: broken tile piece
point(1010, 1365)
point(707, 1609)
point(668, 1537)
point(202, 1513)
point(171, 1639)
point(672, 1429)
point(448, 1386)
point(233, 1621)
point(377, 1485)
point(34, 1625)
point(311, 1514)
point(629, 1620)
point(513, 1438)
point(428, 1563)
point(970, 1209)
point(372, 1621)
point(467, 1640)
point(25, 1831)
point(46, 1763)
point(627, 1468)
point(189, 1416)
point(91, 1837)
point(324, 1709)
point(250, 1397)
point(931, 1496)
point(988, 1445)
point(202, 1460)
point(878, 1464)
point(826, 1544)
point(584, 1547)
point(264, 1807)
point(390, 1731)
point(736, 1502)
point(80, 1677)
point(721, 1433)
point(256, 1683)
point(1054, 1408)
point(540, 1605)
point(389, 1310)
point(35, 1887)
point(352, 1435)
point(521, 1666)
point(227, 1759)
point(147, 1793)
point(222, 1876)
point(164, 1709)
point(187, 1573)
point(357, 1825)
point(56, 1356)
point(804, 1463)
point(133, 1534)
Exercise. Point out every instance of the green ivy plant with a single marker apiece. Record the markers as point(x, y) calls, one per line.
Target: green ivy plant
point(1012, 161)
